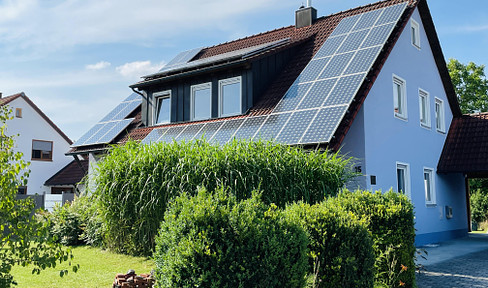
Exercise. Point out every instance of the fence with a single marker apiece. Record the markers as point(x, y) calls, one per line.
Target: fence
point(47, 201)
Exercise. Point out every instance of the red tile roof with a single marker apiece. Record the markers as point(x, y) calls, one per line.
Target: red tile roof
point(8, 99)
point(71, 174)
point(466, 147)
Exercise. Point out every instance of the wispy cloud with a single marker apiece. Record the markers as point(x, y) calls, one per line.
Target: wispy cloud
point(98, 66)
point(472, 28)
point(134, 70)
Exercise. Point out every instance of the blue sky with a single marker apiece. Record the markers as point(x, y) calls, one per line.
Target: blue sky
point(76, 58)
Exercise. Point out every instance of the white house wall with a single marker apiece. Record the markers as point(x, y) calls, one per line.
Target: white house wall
point(388, 140)
point(33, 126)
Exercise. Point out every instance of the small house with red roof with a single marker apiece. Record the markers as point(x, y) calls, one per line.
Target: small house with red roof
point(371, 82)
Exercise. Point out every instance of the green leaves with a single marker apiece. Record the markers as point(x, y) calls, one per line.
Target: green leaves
point(470, 84)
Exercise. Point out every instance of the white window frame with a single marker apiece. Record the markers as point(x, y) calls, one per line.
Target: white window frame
point(405, 167)
point(426, 95)
point(441, 114)
point(157, 96)
point(430, 172)
point(229, 81)
point(194, 88)
point(415, 33)
point(403, 85)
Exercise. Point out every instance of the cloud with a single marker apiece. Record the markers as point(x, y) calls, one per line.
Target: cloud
point(135, 70)
point(98, 66)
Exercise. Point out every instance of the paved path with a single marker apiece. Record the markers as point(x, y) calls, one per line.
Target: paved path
point(459, 263)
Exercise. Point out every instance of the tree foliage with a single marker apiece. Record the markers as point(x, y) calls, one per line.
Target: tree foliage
point(470, 84)
point(23, 239)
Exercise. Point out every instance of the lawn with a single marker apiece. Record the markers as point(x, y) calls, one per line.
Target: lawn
point(97, 269)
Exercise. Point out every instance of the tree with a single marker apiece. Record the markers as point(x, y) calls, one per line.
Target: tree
point(470, 84)
point(24, 240)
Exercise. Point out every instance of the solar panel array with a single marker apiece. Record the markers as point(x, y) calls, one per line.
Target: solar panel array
point(111, 125)
point(236, 54)
point(315, 104)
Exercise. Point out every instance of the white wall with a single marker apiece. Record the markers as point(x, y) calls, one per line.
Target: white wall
point(33, 126)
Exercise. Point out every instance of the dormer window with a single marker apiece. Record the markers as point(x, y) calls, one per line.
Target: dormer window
point(201, 101)
point(415, 27)
point(163, 107)
point(230, 96)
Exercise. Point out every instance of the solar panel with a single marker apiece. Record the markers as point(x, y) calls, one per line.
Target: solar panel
point(249, 127)
point(391, 14)
point(318, 94)
point(336, 65)
point(330, 46)
point(154, 135)
point(190, 132)
point(115, 111)
point(105, 128)
point(171, 134)
point(345, 25)
point(112, 133)
point(208, 130)
point(292, 97)
point(324, 125)
point(129, 108)
point(363, 60)
point(272, 126)
point(353, 41)
point(312, 70)
point(367, 20)
point(183, 57)
point(378, 35)
point(88, 134)
point(224, 134)
point(133, 97)
point(345, 90)
point(297, 125)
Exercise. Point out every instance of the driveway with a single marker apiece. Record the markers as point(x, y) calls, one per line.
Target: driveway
point(457, 263)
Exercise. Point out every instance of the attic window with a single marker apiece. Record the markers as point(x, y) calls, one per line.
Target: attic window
point(399, 98)
point(230, 96)
point(440, 124)
point(415, 27)
point(18, 112)
point(201, 101)
point(42, 150)
point(163, 107)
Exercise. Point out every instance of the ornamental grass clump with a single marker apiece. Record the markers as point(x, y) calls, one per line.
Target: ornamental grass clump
point(135, 182)
point(214, 240)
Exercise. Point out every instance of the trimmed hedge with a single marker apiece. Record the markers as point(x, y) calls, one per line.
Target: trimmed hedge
point(341, 248)
point(212, 240)
point(135, 182)
point(390, 219)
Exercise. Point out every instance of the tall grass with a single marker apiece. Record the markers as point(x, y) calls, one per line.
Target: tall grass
point(135, 182)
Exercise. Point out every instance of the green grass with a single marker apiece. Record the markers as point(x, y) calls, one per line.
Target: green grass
point(97, 269)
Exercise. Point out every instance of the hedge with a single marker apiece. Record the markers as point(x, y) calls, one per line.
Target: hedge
point(341, 249)
point(390, 219)
point(135, 182)
point(212, 240)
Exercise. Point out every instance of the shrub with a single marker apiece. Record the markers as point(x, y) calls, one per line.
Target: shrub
point(479, 206)
point(66, 224)
point(135, 182)
point(341, 249)
point(215, 241)
point(390, 219)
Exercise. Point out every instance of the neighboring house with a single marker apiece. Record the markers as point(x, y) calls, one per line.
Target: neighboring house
point(40, 140)
point(371, 82)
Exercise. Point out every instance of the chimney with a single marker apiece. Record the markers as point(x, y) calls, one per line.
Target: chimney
point(305, 16)
point(0, 95)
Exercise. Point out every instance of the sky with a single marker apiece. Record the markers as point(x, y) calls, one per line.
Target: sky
point(76, 58)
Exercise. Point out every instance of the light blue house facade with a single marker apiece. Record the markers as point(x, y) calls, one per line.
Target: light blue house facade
point(401, 149)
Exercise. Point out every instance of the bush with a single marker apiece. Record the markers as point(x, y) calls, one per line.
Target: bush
point(135, 182)
point(215, 241)
point(479, 206)
point(66, 224)
point(341, 249)
point(390, 219)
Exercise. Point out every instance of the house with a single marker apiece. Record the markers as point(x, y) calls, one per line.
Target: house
point(371, 82)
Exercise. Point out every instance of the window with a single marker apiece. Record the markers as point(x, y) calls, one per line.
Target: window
point(61, 190)
point(22, 190)
point(424, 108)
point(399, 98)
point(439, 116)
point(403, 178)
point(429, 186)
point(201, 101)
point(230, 92)
point(18, 112)
point(42, 150)
point(163, 107)
point(415, 27)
